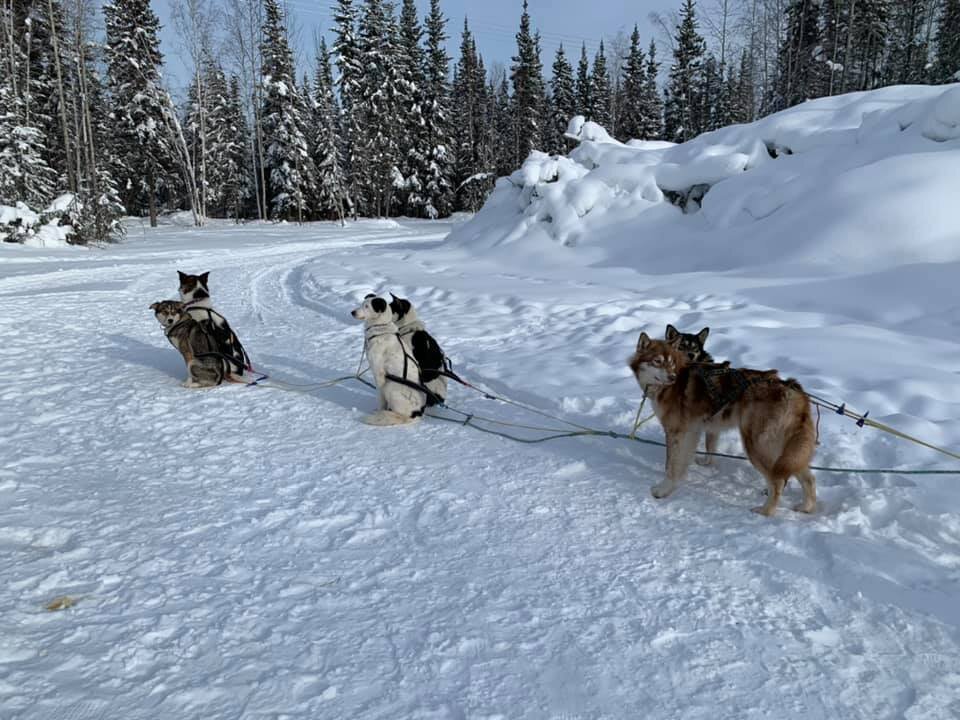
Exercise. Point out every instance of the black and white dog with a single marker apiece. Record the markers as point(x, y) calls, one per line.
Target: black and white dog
point(400, 402)
point(692, 345)
point(426, 351)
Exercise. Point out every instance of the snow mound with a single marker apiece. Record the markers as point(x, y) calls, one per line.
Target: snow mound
point(867, 178)
point(20, 224)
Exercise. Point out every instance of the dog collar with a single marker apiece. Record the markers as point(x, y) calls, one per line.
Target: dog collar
point(373, 331)
point(196, 303)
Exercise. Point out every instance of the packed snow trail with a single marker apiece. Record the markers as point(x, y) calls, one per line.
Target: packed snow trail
point(250, 553)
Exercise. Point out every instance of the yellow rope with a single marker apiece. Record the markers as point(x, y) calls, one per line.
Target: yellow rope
point(637, 422)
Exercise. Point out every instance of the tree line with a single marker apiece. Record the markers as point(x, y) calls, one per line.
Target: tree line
point(385, 123)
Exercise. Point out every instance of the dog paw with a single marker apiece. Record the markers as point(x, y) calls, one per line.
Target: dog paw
point(703, 460)
point(763, 510)
point(804, 507)
point(661, 491)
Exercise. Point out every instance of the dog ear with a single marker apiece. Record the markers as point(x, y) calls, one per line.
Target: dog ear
point(671, 334)
point(183, 276)
point(154, 306)
point(643, 341)
point(702, 335)
point(203, 279)
point(378, 304)
point(369, 295)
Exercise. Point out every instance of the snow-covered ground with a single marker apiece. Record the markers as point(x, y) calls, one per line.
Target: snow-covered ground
point(259, 553)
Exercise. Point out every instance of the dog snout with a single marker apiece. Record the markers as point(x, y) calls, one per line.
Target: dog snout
point(354, 313)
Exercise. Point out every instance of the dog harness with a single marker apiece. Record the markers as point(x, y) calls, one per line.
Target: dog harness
point(228, 344)
point(737, 381)
point(719, 394)
point(391, 329)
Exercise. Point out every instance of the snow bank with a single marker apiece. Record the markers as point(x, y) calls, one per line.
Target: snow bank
point(867, 178)
point(20, 224)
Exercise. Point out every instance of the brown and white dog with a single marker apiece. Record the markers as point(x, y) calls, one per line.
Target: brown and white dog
point(205, 366)
point(772, 414)
point(198, 305)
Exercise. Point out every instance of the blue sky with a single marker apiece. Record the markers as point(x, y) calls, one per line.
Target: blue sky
point(493, 22)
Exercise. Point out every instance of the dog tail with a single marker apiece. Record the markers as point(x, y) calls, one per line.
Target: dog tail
point(384, 418)
point(800, 445)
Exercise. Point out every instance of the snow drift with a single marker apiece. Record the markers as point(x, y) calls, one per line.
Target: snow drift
point(865, 180)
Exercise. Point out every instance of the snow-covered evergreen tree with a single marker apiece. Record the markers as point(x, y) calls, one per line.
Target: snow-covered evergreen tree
point(908, 48)
point(871, 28)
point(709, 95)
point(24, 173)
point(502, 124)
point(235, 189)
point(529, 97)
point(472, 172)
point(652, 113)
point(413, 162)
point(632, 109)
point(331, 184)
point(800, 66)
point(742, 95)
point(583, 88)
point(98, 191)
point(140, 141)
point(350, 76)
point(378, 106)
point(438, 189)
point(600, 94)
point(288, 164)
point(682, 116)
point(563, 101)
point(947, 66)
point(835, 24)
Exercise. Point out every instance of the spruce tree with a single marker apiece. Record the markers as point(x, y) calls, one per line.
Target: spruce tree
point(414, 164)
point(350, 76)
point(330, 201)
point(742, 98)
point(709, 95)
point(141, 142)
point(438, 190)
point(871, 28)
point(947, 66)
point(651, 127)
point(682, 113)
point(600, 93)
point(236, 189)
point(289, 167)
point(24, 174)
point(504, 160)
point(379, 103)
point(469, 112)
point(835, 22)
point(529, 98)
point(799, 66)
point(219, 140)
point(908, 48)
point(631, 123)
point(584, 86)
point(563, 101)
point(97, 180)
